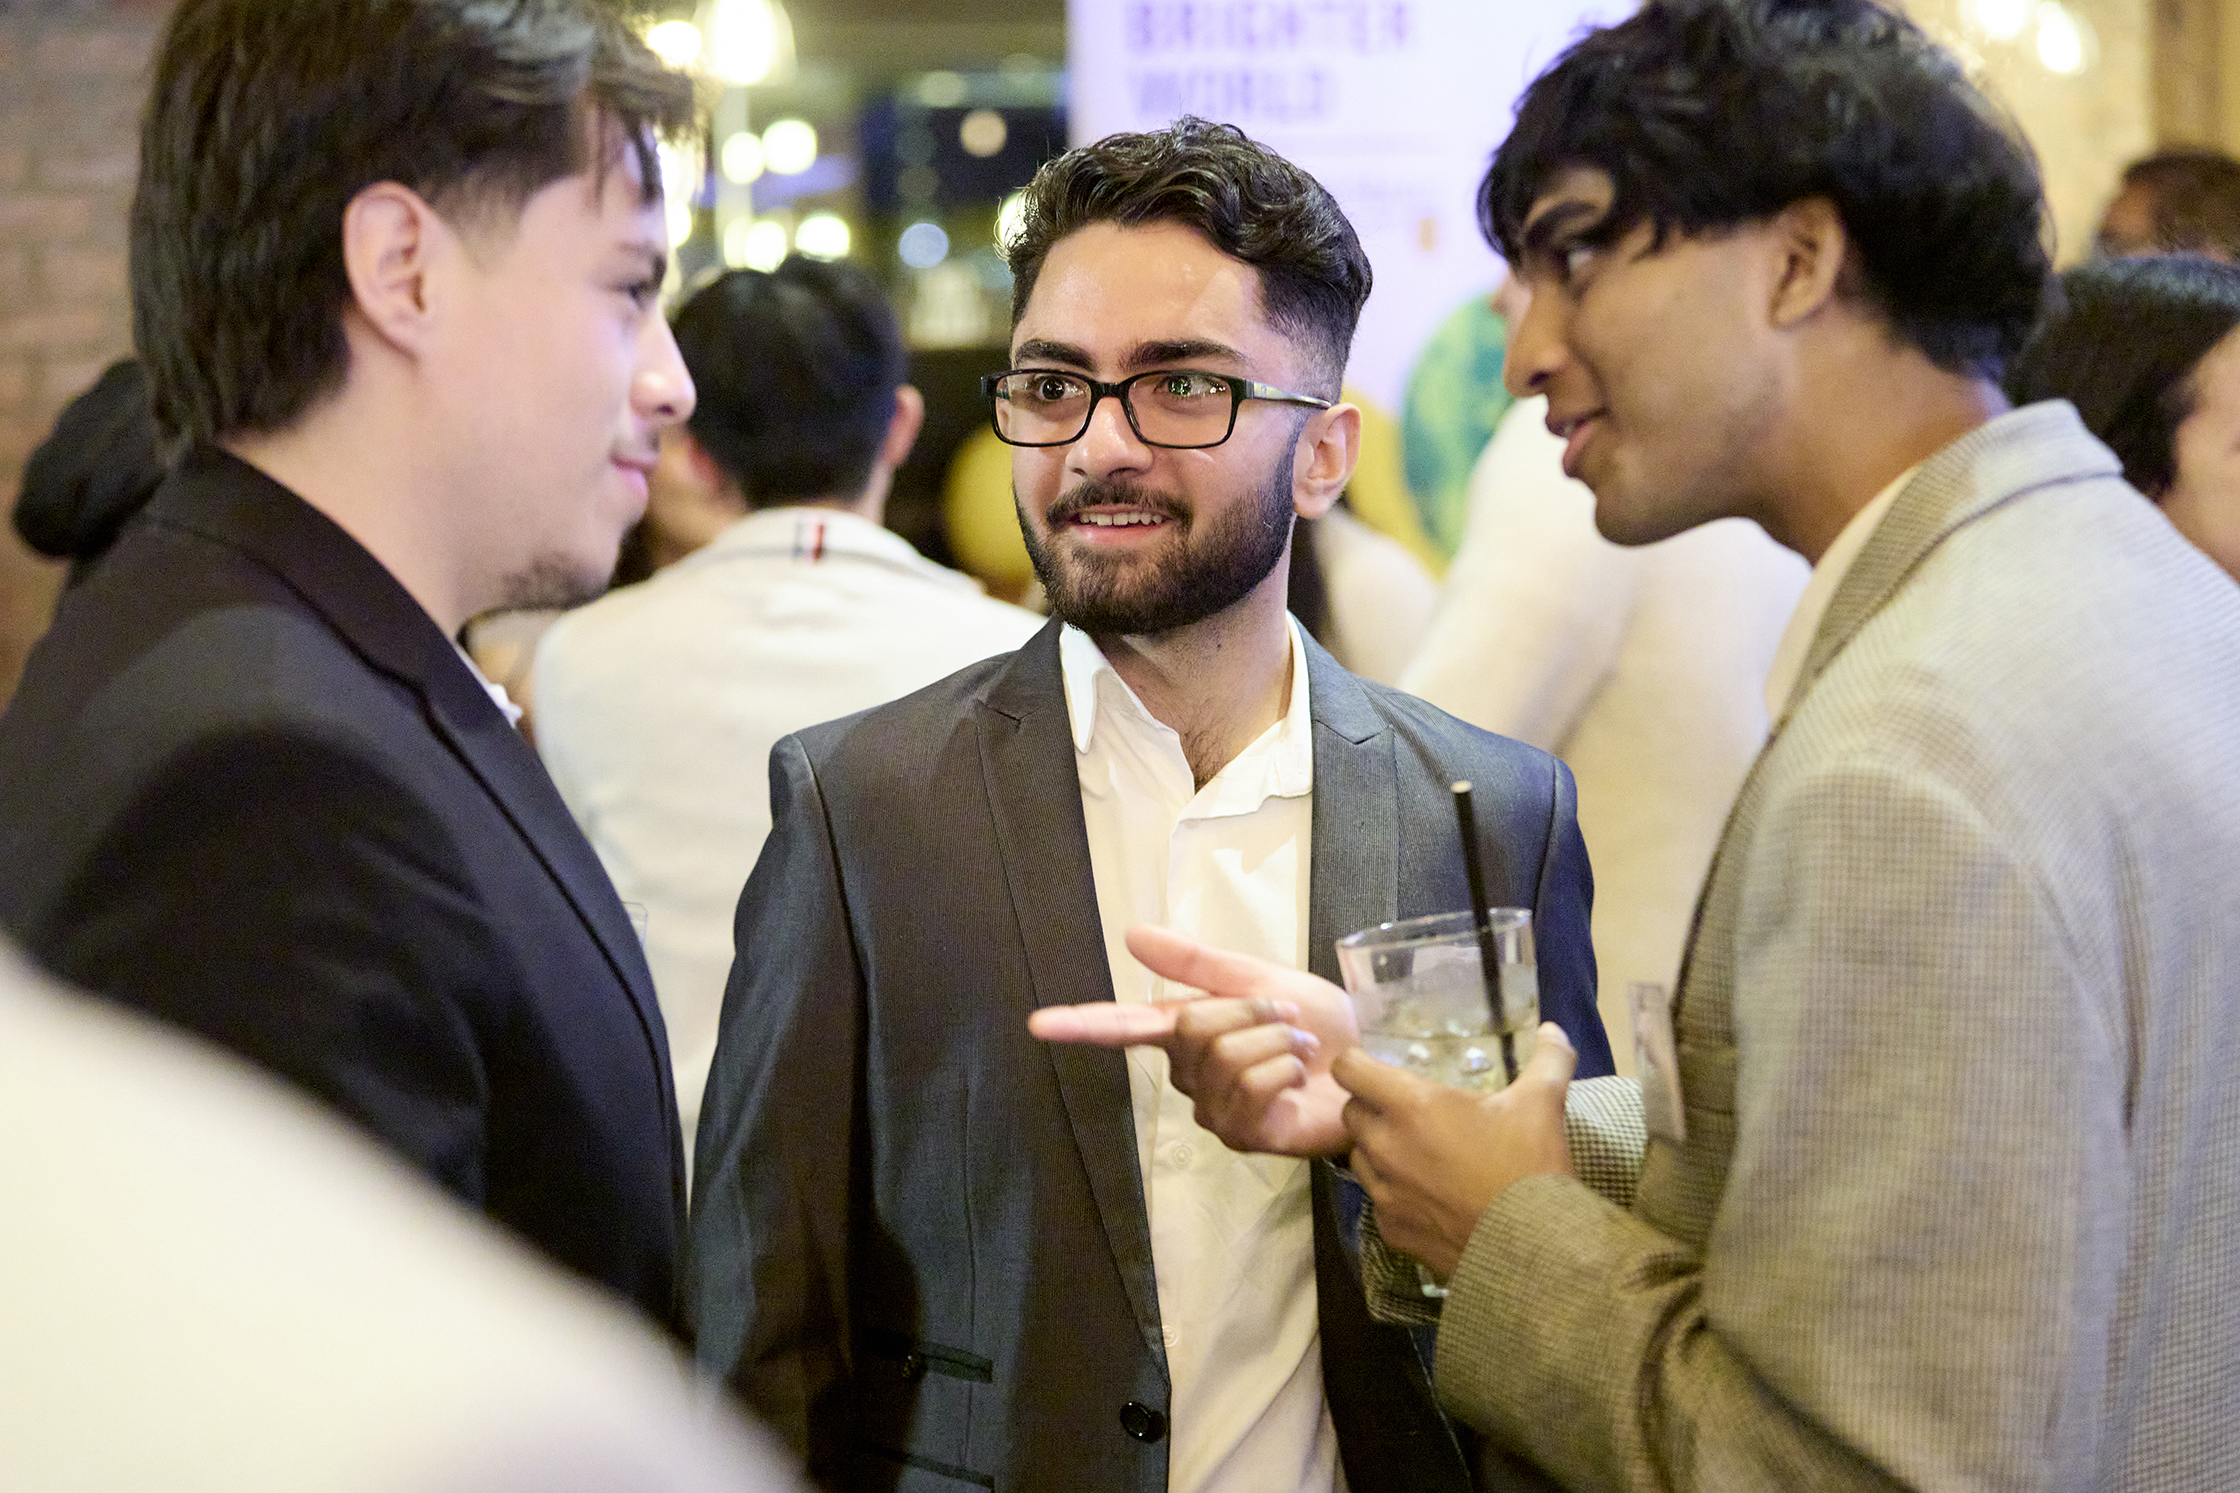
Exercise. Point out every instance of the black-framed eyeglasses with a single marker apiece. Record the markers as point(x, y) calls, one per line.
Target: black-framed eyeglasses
point(1182, 409)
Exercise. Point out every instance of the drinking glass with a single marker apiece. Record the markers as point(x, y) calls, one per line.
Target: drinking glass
point(1423, 1003)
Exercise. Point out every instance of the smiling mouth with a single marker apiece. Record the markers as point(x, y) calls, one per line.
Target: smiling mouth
point(1118, 520)
point(1572, 431)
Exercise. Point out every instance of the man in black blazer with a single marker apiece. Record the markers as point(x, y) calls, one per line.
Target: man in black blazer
point(394, 269)
point(933, 1252)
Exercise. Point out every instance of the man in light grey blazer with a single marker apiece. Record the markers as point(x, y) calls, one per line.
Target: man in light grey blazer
point(934, 1253)
point(1946, 1196)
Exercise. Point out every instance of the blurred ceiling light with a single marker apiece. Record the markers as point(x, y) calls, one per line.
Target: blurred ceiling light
point(735, 236)
point(942, 90)
point(923, 245)
point(748, 41)
point(2061, 39)
point(823, 236)
point(982, 133)
point(762, 246)
point(680, 184)
point(2001, 20)
point(1010, 217)
point(742, 157)
point(789, 146)
point(675, 42)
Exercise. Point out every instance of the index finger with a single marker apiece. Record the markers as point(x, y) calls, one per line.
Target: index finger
point(1104, 1023)
point(1185, 961)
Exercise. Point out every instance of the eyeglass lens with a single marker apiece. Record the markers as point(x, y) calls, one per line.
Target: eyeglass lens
point(1169, 408)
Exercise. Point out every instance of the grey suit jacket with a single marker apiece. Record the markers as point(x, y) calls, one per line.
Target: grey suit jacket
point(919, 1245)
point(1959, 1204)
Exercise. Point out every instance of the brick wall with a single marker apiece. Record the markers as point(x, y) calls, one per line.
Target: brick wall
point(72, 75)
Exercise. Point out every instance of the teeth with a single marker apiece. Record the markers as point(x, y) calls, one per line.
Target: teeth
point(1119, 520)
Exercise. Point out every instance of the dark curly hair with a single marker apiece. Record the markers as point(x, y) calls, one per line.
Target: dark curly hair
point(267, 116)
point(2122, 346)
point(1711, 114)
point(1249, 202)
point(796, 370)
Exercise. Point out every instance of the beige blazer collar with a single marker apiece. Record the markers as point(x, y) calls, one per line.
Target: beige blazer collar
point(2037, 446)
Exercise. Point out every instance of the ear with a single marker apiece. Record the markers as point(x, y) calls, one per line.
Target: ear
point(390, 239)
point(1809, 238)
point(1323, 461)
point(902, 427)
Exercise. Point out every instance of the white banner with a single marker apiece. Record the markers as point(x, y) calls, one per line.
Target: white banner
point(1394, 105)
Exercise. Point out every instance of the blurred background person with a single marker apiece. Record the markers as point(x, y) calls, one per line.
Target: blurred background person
point(211, 1285)
point(2179, 201)
point(2144, 348)
point(1643, 668)
point(658, 704)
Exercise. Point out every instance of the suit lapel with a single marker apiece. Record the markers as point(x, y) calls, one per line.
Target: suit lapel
point(228, 500)
point(1355, 876)
point(508, 769)
point(1034, 801)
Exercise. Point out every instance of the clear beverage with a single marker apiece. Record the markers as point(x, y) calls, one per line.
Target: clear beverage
point(1436, 1024)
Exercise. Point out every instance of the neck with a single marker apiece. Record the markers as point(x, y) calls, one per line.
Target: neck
point(375, 490)
point(870, 504)
point(1218, 683)
point(1845, 455)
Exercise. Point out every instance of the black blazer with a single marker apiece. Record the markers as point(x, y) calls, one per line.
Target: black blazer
point(249, 786)
point(919, 1244)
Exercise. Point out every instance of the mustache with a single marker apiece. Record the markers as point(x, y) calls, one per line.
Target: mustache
point(1096, 493)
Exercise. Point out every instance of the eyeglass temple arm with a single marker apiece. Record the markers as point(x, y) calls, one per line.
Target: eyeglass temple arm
point(1269, 392)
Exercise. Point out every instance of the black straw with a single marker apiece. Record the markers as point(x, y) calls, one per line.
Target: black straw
point(1489, 963)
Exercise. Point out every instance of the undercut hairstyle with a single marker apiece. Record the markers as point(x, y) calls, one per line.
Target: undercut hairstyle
point(796, 370)
point(266, 117)
point(2193, 198)
point(1710, 115)
point(2124, 346)
point(1247, 201)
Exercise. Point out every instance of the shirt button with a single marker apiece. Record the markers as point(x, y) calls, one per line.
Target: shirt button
point(1180, 1158)
point(1168, 1335)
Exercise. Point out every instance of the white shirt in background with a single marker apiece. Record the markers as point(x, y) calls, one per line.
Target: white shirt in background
point(657, 707)
point(1642, 668)
point(1381, 597)
point(1232, 1236)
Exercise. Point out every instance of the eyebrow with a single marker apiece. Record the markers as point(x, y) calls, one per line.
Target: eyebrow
point(656, 259)
point(1142, 355)
point(1541, 231)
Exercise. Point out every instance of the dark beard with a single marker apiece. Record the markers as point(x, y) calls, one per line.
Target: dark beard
point(549, 583)
point(1199, 575)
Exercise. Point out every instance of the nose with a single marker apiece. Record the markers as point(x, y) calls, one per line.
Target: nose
point(1536, 347)
point(661, 392)
point(1110, 444)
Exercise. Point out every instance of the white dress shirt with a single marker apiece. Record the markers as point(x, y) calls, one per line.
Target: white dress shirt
point(1835, 563)
point(657, 707)
point(1232, 1236)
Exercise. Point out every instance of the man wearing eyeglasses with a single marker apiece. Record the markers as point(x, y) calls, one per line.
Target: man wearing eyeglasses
point(934, 1252)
